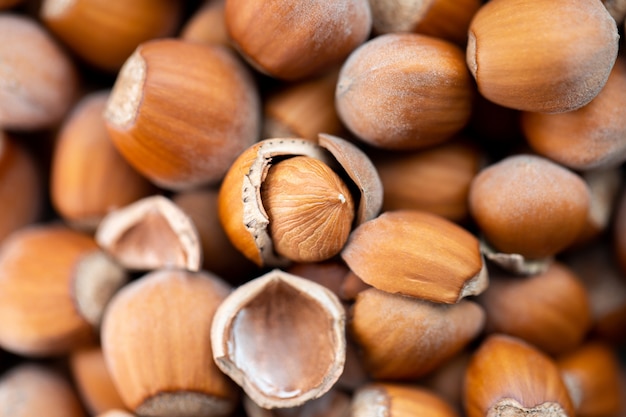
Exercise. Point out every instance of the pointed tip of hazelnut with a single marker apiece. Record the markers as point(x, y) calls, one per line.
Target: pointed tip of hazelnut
point(515, 262)
point(151, 233)
point(97, 279)
point(476, 285)
point(125, 99)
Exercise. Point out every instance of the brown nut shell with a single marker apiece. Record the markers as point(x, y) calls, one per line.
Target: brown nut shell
point(508, 377)
point(549, 310)
point(542, 55)
point(306, 37)
point(156, 343)
point(528, 205)
point(404, 91)
point(213, 105)
point(281, 338)
point(590, 138)
point(433, 258)
point(241, 209)
point(424, 335)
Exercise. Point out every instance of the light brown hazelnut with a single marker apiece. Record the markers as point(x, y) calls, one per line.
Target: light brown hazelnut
point(213, 105)
point(528, 205)
point(306, 39)
point(207, 25)
point(590, 138)
point(446, 19)
point(399, 400)
point(550, 310)
point(30, 389)
point(404, 338)
point(33, 95)
point(404, 91)
point(418, 254)
point(156, 344)
point(508, 377)
point(542, 55)
point(89, 178)
point(303, 212)
point(54, 286)
point(105, 33)
point(21, 191)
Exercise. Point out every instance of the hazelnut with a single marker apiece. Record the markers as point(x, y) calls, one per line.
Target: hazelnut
point(399, 400)
point(281, 338)
point(54, 304)
point(404, 91)
point(591, 374)
point(542, 55)
point(105, 33)
point(303, 211)
point(32, 96)
point(31, 389)
point(207, 25)
point(508, 377)
point(156, 344)
point(549, 310)
point(306, 38)
point(93, 381)
point(213, 105)
point(590, 138)
point(435, 180)
point(446, 19)
point(404, 338)
point(434, 259)
point(21, 194)
point(528, 205)
point(84, 188)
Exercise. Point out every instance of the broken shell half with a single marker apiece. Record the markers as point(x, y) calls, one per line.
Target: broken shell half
point(281, 338)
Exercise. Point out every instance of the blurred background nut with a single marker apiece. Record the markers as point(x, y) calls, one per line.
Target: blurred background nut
point(528, 205)
point(446, 19)
point(156, 344)
point(435, 180)
point(31, 389)
point(591, 374)
point(33, 96)
point(590, 138)
point(287, 199)
point(404, 91)
point(213, 105)
point(306, 38)
point(207, 25)
point(53, 305)
point(89, 177)
point(93, 381)
point(21, 191)
point(105, 33)
point(549, 310)
point(542, 55)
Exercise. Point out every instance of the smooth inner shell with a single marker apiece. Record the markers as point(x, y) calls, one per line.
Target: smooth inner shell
point(281, 341)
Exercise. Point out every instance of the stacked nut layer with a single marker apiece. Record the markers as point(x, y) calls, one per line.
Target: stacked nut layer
point(324, 208)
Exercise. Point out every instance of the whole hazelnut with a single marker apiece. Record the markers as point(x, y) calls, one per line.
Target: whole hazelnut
point(542, 55)
point(528, 205)
point(182, 129)
point(292, 39)
point(404, 91)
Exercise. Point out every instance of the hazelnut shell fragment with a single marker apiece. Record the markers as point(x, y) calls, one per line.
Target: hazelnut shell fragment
point(281, 338)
